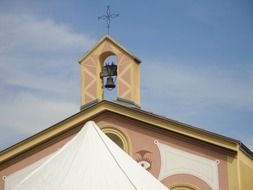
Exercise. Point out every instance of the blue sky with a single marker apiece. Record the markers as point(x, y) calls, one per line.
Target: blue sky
point(197, 61)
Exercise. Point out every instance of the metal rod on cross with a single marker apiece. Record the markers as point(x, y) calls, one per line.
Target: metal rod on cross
point(107, 17)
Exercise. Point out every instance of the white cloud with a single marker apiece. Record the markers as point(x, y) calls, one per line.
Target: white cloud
point(28, 113)
point(39, 74)
point(26, 31)
point(59, 84)
point(29, 53)
point(38, 59)
point(191, 84)
point(208, 97)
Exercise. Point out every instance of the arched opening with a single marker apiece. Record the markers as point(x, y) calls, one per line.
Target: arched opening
point(118, 137)
point(182, 187)
point(185, 182)
point(108, 75)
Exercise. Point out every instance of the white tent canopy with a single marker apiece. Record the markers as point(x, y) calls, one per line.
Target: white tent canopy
point(89, 161)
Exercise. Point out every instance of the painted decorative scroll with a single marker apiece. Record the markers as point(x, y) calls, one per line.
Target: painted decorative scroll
point(175, 161)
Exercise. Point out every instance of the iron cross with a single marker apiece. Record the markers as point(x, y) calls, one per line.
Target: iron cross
point(108, 18)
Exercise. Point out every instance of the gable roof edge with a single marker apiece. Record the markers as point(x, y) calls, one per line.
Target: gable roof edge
point(133, 113)
point(115, 43)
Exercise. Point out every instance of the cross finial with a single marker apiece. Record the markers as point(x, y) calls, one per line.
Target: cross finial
point(108, 16)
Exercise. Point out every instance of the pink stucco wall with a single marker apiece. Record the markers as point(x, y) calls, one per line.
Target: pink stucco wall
point(141, 137)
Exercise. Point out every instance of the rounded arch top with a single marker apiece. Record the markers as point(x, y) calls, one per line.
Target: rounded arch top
point(182, 187)
point(185, 182)
point(105, 55)
point(119, 137)
point(125, 84)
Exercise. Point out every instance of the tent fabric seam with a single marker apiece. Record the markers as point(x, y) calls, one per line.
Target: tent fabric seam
point(115, 159)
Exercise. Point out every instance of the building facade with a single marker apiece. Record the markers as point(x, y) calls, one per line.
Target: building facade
point(181, 156)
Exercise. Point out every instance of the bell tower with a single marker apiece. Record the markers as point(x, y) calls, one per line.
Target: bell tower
point(96, 77)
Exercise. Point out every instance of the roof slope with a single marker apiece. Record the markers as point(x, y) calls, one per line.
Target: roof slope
point(97, 108)
point(89, 161)
point(109, 38)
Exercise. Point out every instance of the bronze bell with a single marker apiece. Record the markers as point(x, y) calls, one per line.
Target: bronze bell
point(109, 83)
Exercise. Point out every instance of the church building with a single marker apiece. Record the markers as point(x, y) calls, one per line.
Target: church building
point(180, 156)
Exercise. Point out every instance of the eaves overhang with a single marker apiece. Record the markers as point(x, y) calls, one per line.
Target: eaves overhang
point(109, 38)
point(134, 113)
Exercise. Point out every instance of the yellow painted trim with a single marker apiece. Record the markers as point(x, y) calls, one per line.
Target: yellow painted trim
point(115, 43)
point(238, 170)
point(183, 187)
point(48, 133)
point(245, 171)
point(119, 133)
point(244, 158)
point(91, 112)
point(171, 126)
point(233, 175)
